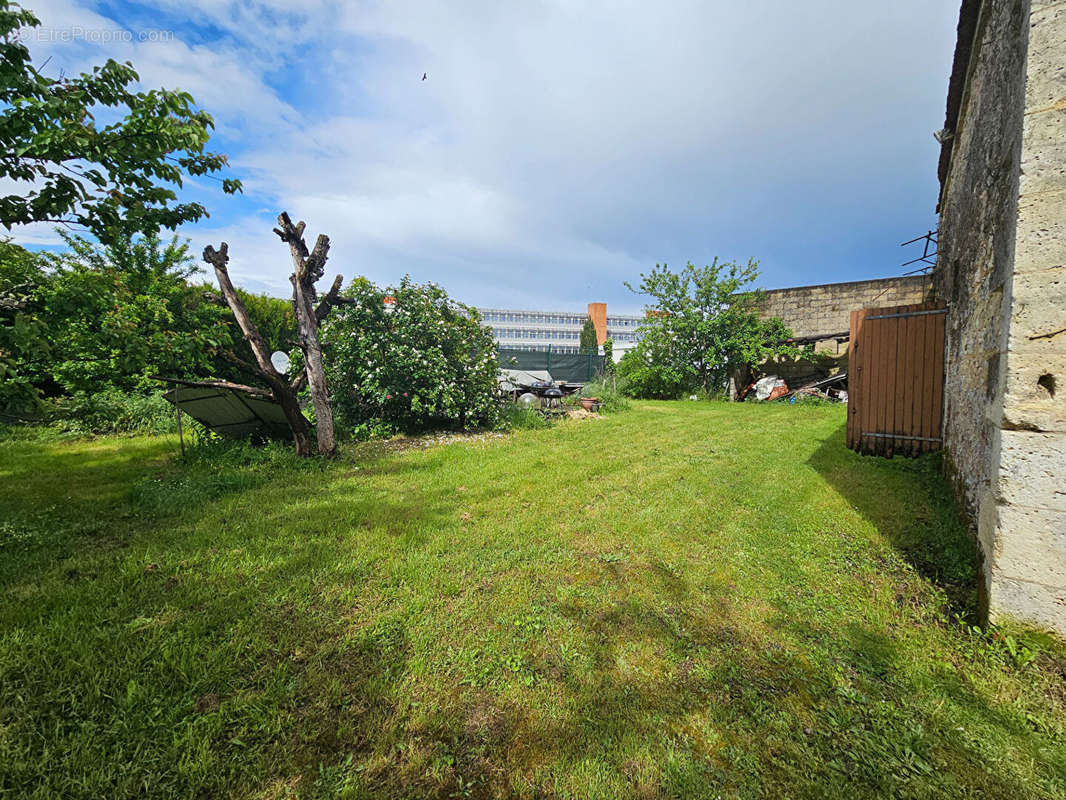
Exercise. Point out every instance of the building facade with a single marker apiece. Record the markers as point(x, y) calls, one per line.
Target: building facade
point(1000, 269)
point(536, 330)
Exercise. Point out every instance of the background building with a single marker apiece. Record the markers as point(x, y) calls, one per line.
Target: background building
point(535, 330)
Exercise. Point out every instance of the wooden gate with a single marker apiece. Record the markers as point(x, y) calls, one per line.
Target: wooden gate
point(896, 379)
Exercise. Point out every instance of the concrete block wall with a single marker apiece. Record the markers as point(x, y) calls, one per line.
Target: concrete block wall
point(826, 308)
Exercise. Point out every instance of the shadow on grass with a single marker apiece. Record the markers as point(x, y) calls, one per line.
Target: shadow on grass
point(238, 664)
point(737, 713)
point(203, 648)
point(911, 505)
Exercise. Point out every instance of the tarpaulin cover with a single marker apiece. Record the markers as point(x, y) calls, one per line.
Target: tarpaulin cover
point(512, 380)
point(231, 413)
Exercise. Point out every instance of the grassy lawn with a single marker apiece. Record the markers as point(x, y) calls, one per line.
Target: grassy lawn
point(685, 600)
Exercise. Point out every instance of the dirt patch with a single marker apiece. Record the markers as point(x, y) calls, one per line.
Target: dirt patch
point(580, 413)
point(402, 444)
point(207, 703)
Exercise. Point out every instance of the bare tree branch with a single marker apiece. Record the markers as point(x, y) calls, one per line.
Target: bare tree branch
point(219, 259)
point(240, 387)
point(282, 392)
point(332, 298)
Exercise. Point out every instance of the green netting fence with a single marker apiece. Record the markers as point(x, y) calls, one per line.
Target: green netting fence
point(568, 367)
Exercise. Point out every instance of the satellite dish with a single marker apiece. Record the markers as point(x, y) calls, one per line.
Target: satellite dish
point(280, 361)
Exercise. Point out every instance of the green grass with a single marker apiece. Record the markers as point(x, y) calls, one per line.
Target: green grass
point(685, 600)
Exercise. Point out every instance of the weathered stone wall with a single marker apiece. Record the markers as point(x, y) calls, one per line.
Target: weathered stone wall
point(826, 308)
point(977, 219)
point(1025, 515)
point(1002, 269)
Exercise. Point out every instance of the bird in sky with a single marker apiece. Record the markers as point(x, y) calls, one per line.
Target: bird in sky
point(423, 76)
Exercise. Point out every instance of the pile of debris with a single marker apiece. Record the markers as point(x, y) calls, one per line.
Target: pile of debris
point(538, 382)
point(772, 387)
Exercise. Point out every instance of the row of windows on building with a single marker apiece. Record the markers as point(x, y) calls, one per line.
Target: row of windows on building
point(555, 348)
point(536, 318)
point(520, 333)
point(533, 318)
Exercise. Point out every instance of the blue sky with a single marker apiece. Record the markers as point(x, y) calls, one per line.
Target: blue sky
point(557, 149)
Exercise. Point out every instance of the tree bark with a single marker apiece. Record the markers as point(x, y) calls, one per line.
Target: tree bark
point(283, 393)
point(307, 269)
point(237, 387)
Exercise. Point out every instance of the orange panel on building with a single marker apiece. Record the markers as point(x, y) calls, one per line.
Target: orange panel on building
point(598, 315)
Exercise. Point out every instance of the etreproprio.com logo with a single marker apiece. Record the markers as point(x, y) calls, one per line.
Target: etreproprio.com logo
point(76, 33)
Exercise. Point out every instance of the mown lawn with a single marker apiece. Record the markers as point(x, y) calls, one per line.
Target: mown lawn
point(685, 600)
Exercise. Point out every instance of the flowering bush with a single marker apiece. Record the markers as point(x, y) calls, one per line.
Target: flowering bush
point(423, 361)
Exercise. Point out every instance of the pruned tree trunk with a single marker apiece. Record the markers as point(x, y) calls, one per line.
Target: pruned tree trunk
point(739, 378)
point(283, 393)
point(308, 268)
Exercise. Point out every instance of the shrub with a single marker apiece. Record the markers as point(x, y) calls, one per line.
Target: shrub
point(426, 363)
point(514, 416)
point(113, 411)
point(611, 399)
point(638, 378)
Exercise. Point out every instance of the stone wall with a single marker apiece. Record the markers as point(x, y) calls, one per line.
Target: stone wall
point(826, 309)
point(977, 214)
point(823, 312)
point(1002, 270)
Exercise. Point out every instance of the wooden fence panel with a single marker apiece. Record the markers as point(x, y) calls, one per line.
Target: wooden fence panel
point(896, 379)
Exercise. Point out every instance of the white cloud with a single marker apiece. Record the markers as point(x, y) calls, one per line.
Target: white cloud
point(222, 77)
point(558, 148)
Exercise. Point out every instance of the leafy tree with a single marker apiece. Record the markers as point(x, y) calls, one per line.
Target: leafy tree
point(702, 326)
point(642, 375)
point(608, 357)
point(23, 336)
point(117, 314)
point(428, 362)
point(112, 178)
point(587, 342)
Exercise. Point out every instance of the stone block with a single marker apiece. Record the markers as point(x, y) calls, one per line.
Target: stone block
point(1038, 316)
point(1029, 544)
point(1032, 469)
point(1028, 602)
point(1043, 168)
point(1039, 6)
point(1045, 80)
point(1035, 392)
point(1040, 240)
point(1042, 126)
